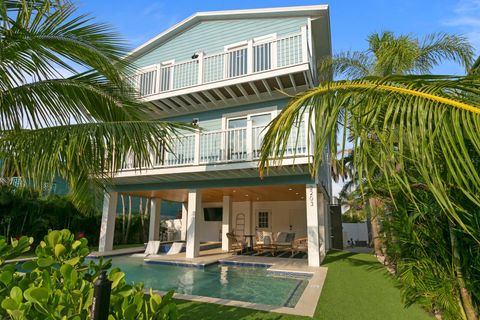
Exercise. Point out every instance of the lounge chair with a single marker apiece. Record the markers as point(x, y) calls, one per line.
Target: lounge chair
point(235, 244)
point(175, 248)
point(152, 248)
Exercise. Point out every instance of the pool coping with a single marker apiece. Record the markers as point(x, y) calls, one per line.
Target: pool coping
point(305, 305)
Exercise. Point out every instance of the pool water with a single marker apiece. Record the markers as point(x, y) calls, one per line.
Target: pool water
point(249, 284)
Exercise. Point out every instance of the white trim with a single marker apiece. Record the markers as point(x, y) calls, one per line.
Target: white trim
point(235, 46)
point(272, 110)
point(295, 11)
point(264, 39)
point(167, 63)
point(214, 167)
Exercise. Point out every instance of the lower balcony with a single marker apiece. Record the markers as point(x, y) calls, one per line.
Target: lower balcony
point(223, 148)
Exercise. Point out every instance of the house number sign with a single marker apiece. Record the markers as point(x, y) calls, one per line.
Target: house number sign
point(311, 197)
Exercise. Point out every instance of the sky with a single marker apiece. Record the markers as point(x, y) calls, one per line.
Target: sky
point(351, 20)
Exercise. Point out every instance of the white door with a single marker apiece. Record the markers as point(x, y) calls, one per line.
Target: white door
point(298, 223)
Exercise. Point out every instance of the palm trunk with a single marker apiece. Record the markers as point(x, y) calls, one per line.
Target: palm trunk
point(146, 216)
point(142, 222)
point(375, 205)
point(465, 295)
point(129, 222)
point(123, 217)
point(8, 230)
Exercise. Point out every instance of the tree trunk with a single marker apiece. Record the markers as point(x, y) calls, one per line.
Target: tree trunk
point(465, 295)
point(129, 222)
point(146, 216)
point(142, 222)
point(375, 205)
point(123, 217)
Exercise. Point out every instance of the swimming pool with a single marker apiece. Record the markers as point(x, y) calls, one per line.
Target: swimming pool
point(248, 284)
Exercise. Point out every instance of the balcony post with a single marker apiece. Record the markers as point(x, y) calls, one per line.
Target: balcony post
point(158, 78)
point(304, 44)
point(250, 57)
point(200, 67)
point(249, 142)
point(196, 160)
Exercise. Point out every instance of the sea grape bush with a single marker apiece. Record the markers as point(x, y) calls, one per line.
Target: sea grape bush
point(58, 284)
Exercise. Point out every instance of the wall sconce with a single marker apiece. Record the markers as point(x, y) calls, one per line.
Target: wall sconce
point(195, 56)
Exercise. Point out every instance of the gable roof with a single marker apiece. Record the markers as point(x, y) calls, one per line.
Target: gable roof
point(298, 11)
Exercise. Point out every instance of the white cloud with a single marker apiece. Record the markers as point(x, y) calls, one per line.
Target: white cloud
point(466, 17)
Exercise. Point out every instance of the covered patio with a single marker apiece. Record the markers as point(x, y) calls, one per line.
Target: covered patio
point(209, 214)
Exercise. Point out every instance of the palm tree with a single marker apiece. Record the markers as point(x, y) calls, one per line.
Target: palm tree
point(79, 126)
point(476, 67)
point(388, 54)
point(430, 124)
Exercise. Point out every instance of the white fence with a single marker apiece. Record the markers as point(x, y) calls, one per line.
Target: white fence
point(221, 146)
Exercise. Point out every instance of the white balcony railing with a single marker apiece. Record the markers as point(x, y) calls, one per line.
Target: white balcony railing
point(249, 59)
point(222, 146)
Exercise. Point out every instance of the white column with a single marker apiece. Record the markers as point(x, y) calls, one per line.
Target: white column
point(107, 228)
point(154, 229)
point(194, 210)
point(183, 235)
point(200, 67)
point(227, 214)
point(250, 57)
point(196, 159)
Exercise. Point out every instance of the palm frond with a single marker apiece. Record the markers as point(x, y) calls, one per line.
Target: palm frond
point(433, 122)
point(350, 65)
point(439, 47)
point(85, 155)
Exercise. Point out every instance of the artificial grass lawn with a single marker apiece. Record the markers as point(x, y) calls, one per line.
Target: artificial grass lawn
point(357, 288)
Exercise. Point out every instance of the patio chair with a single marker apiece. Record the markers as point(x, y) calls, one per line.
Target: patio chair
point(235, 244)
point(299, 245)
point(267, 245)
point(284, 241)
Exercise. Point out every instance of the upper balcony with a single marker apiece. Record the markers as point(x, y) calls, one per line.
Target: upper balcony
point(252, 70)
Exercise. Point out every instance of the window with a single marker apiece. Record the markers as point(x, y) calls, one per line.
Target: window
point(263, 219)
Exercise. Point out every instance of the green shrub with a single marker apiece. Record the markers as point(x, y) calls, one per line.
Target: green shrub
point(59, 284)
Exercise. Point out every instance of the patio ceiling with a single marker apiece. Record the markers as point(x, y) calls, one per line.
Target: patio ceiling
point(292, 192)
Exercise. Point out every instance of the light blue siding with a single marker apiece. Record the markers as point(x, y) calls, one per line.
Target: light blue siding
point(211, 37)
point(212, 120)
